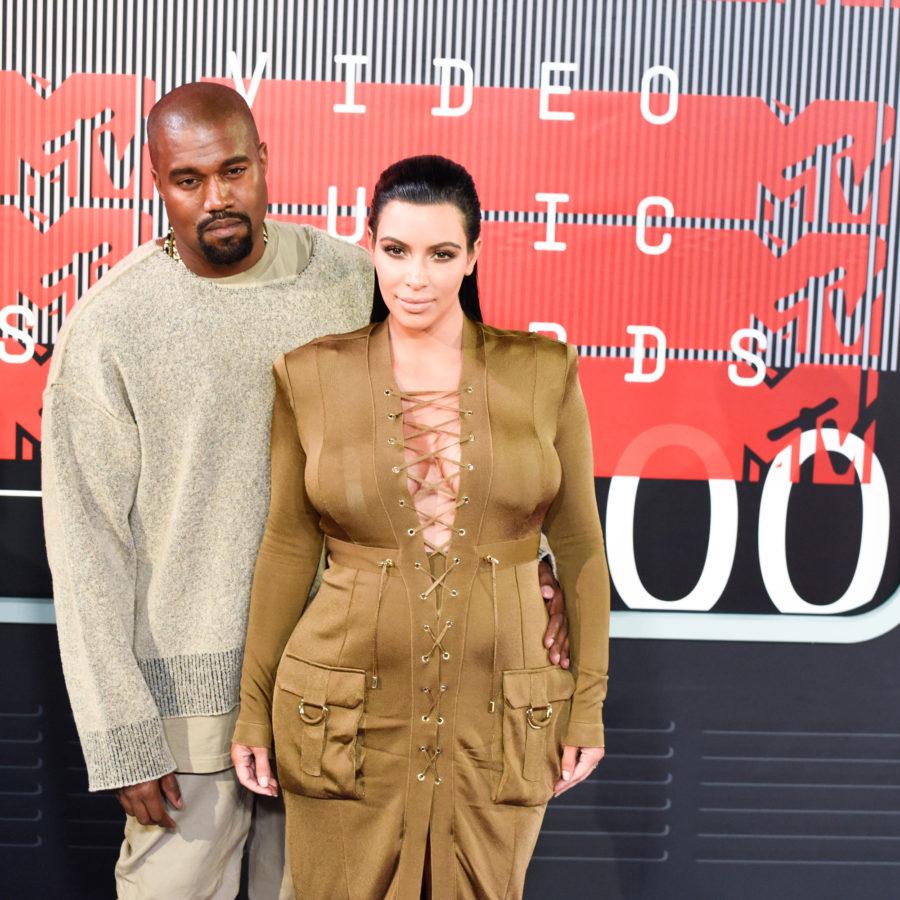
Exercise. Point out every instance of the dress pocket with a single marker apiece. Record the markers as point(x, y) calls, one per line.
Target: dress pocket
point(316, 720)
point(536, 706)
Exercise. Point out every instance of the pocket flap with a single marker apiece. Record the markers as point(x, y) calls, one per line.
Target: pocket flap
point(319, 684)
point(537, 687)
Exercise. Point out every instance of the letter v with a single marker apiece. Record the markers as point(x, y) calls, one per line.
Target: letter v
point(238, 77)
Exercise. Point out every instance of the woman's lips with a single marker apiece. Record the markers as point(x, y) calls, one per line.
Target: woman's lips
point(415, 305)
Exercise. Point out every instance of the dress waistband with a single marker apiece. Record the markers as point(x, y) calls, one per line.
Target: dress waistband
point(360, 556)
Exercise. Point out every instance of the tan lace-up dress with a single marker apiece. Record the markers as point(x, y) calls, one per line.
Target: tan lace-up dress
point(411, 702)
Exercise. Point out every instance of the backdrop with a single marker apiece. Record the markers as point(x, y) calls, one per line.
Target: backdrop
point(701, 196)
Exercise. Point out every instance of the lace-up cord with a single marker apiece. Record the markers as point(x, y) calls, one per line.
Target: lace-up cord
point(384, 565)
point(448, 431)
point(430, 763)
point(436, 641)
point(437, 582)
point(434, 709)
point(494, 563)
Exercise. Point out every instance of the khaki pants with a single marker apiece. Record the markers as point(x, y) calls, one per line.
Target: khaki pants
point(201, 859)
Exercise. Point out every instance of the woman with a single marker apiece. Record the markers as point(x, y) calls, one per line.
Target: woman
point(419, 731)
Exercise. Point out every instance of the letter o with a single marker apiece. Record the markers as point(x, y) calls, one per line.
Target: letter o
point(873, 544)
point(671, 112)
point(620, 521)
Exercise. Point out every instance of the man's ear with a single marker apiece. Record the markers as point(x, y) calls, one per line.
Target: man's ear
point(263, 153)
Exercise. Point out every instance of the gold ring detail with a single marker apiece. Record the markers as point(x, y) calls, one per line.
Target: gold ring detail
point(323, 715)
point(540, 723)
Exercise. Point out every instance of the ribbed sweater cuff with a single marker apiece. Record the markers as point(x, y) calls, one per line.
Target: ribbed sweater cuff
point(126, 755)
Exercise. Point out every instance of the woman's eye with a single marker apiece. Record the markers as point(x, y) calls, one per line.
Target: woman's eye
point(444, 254)
point(393, 251)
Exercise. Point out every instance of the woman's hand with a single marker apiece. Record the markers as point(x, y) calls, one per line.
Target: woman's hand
point(577, 764)
point(251, 764)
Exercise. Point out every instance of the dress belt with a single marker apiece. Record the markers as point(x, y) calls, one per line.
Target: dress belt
point(361, 556)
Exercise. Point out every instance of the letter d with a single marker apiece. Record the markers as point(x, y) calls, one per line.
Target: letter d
point(639, 332)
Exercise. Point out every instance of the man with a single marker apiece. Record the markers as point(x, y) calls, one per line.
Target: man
point(156, 481)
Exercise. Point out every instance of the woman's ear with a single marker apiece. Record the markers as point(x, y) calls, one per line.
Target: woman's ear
point(473, 257)
point(371, 241)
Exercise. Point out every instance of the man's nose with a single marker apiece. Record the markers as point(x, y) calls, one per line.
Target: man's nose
point(218, 195)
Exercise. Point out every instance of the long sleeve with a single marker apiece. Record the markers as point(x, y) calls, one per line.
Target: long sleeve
point(91, 461)
point(285, 568)
point(572, 526)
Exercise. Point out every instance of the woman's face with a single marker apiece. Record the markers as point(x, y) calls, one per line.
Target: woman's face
point(420, 258)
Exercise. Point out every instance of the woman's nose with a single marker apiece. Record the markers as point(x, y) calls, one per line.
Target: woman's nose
point(415, 277)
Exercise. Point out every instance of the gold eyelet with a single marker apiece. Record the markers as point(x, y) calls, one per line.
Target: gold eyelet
point(439, 720)
point(465, 499)
point(421, 776)
point(454, 592)
point(411, 532)
point(387, 392)
point(461, 532)
point(402, 502)
point(423, 596)
point(392, 441)
point(471, 467)
point(445, 656)
point(395, 470)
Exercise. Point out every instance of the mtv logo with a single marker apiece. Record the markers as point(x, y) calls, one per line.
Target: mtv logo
point(88, 131)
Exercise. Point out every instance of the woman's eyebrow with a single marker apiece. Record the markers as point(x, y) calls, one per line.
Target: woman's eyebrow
point(394, 240)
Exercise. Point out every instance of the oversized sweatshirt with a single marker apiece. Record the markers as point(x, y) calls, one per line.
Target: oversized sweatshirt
point(156, 484)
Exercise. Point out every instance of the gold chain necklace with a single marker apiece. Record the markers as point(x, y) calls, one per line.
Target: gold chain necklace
point(172, 250)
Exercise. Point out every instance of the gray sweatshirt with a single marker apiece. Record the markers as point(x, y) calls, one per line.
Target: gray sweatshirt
point(156, 485)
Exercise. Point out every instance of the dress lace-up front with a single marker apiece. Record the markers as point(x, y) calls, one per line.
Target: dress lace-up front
point(431, 444)
point(432, 439)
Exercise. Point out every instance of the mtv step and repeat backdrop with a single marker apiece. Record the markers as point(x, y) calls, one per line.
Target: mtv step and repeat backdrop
point(703, 197)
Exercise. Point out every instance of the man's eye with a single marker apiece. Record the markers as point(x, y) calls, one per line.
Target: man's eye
point(187, 182)
point(237, 170)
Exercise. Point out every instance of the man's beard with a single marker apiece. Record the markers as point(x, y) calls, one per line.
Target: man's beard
point(231, 250)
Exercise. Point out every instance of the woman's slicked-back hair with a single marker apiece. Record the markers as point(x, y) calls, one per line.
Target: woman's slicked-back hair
point(428, 180)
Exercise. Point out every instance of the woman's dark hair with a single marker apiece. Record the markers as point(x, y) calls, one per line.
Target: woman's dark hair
point(427, 180)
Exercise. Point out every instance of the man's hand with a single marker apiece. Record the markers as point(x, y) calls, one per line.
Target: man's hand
point(556, 637)
point(253, 769)
point(147, 801)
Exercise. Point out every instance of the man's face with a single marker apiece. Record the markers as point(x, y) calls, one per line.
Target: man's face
point(212, 178)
